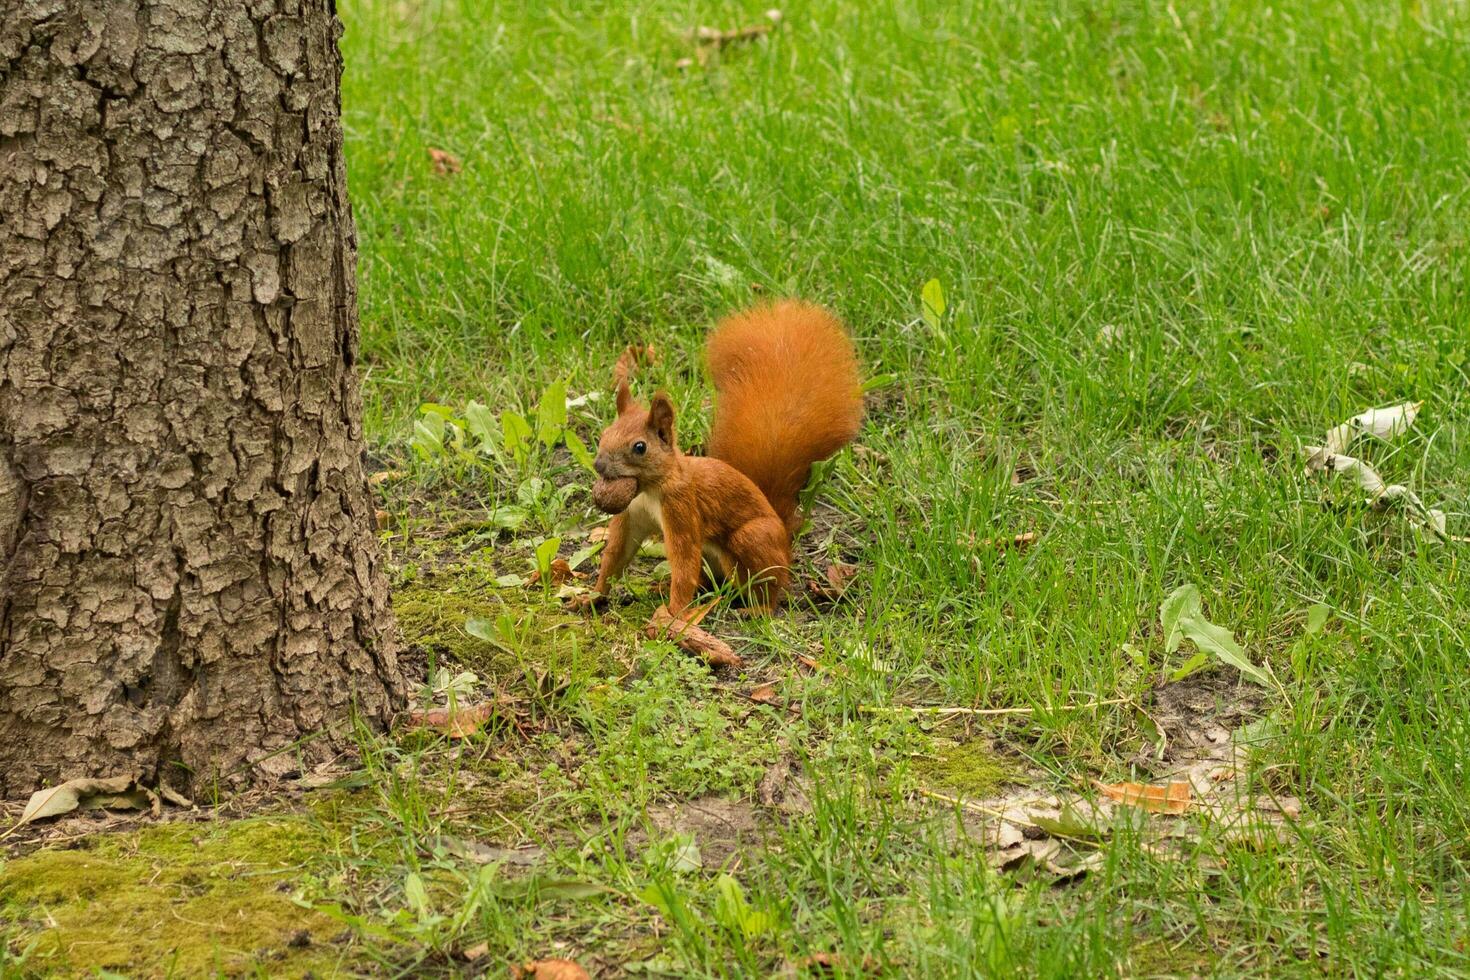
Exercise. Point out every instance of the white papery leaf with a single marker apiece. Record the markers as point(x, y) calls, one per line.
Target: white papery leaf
point(1320, 458)
point(1384, 423)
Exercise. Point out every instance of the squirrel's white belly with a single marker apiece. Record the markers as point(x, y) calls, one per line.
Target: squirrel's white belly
point(646, 515)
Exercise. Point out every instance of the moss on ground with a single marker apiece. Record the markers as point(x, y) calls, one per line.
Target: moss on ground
point(182, 899)
point(970, 769)
point(432, 614)
point(530, 628)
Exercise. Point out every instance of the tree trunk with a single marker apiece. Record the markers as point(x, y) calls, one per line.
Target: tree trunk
point(189, 577)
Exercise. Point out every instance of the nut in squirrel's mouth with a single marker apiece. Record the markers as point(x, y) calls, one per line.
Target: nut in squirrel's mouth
point(612, 496)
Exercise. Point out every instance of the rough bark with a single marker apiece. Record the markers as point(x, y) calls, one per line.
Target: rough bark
point(189, 578)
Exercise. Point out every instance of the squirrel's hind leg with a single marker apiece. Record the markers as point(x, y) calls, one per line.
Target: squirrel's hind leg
point(761, 552)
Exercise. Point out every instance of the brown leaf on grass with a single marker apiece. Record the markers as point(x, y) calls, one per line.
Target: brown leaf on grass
point(838, 575)
point(470, 850)
point(597, 534)
point(445, 163)
point(382, 518)
point(1173, 798)
point(548, 970)
point(1019, 542)
point(826, 964)
point(561, 574)
point(456, 722)
point(476, 952)
point(692, 639)
point(716, 38)
point(56, 800)
point(383, 476)
point(765, 694)
point(696, 615)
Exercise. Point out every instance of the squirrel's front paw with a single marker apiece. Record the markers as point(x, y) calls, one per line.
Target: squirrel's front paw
point(588, 602)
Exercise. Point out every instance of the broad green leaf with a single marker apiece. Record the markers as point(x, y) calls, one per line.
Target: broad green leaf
point(1071, 822)
point(431, 410)
point(1170, 611)
point(545, 554)
point(1191, 666)
point(517, 434)
point(722, 273)
point(547, 888)
point(481, 629)
point(1183, 617)
point(662, 897)
point(934, 306)
point(879, 381)
point(578, 449)
point(508, 517)
point(551, 415)
point(1317, 617)
point(510, 581)
point(734, 912)
point(416, 894)
point(459, 685)
point(428, 436)
point(686, 856)
point(480, 422)
point(577, 559)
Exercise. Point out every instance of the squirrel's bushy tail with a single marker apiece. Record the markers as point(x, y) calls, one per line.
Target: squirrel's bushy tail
point(788, 395)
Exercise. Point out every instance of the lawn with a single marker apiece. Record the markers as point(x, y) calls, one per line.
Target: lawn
point(1175, 244)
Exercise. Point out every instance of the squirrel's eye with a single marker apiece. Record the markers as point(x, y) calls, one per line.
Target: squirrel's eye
point(639, 448)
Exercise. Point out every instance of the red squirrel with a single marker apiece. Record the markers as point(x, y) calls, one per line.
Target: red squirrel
point(788, 395)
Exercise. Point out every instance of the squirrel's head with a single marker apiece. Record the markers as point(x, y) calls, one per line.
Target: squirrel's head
point(639, 443)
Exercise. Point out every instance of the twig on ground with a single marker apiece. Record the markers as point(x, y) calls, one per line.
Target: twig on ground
point(870, 709)
point(1018, 541)
point(715, 651)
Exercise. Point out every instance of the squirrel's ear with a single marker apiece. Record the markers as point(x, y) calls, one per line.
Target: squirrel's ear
point(625, 397)
point(661, 418)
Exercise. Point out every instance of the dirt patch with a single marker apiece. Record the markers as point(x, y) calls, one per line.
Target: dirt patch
point(719, 826)
point(1198, 715)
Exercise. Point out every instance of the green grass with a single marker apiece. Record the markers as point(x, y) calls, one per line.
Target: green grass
point(1176, 241)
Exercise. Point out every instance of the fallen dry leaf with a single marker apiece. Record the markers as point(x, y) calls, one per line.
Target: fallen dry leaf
point(1020, 542)
point(445, 163)
point(838, 575)
point(1384, 424)
point(382, 518)
point(826, 963)
point(476, 952)
point(1380, 423)
point(714, 37)
point(110, 793)
point(56, 800)
point(716, 652)
point(765, 694)
point(597, 534)
point(1172, 798)
point(548, 970)
point(696, 615)
point(561, 574)
point(457, 722)
point(383, 476)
